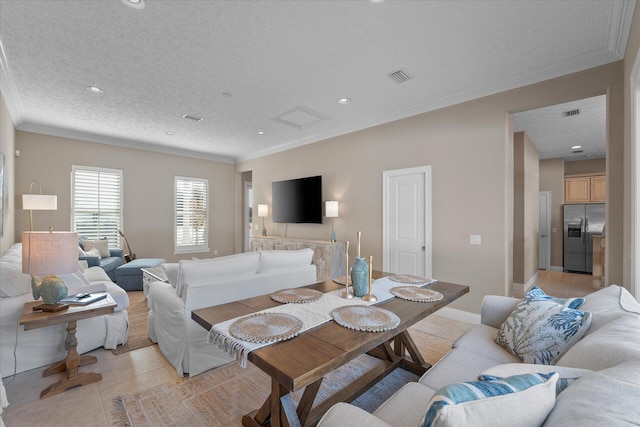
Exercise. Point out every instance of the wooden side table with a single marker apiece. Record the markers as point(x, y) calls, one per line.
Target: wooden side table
point(38, 319)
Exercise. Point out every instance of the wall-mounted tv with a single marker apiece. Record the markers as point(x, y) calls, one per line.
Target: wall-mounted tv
point(297, 200)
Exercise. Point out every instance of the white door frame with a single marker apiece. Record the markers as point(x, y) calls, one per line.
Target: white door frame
point(547, 262)
point(635, 179)
point(386, 176)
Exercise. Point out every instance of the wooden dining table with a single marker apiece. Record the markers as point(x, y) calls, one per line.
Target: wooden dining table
point(303, 361)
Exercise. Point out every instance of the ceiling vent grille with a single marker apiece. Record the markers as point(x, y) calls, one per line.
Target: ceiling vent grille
point(399, 76)
point(192, 117)
point(570, 113)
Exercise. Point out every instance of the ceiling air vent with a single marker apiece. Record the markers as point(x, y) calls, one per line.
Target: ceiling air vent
point(192, 117)
point(399, 76)
point(571, 112)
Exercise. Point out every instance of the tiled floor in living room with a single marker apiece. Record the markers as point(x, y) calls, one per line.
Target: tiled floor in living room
point(131, 372)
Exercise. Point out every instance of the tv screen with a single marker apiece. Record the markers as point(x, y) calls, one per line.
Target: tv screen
point(297, 200)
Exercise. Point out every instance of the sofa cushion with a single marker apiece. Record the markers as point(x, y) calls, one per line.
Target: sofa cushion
point(542, 331)
point(406, 406)
point(171, 270)
point(282, 260)
point(464, 364)
point(604, 398)
point(608, 304)
point(13, 282)
point(101, 245)
point(197, 271)
point(522, 400)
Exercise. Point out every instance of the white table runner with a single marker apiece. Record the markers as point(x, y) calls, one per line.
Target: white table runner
point(311, 314)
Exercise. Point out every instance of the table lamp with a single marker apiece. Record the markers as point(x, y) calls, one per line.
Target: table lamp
point(263, 211)
point(38, 202)
point(49, 253)
point(331, 211)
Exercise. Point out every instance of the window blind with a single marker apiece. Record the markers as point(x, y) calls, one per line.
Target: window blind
point(97, 203)
point(191, 215)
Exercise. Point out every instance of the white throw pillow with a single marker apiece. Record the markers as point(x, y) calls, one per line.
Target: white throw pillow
point(566, 375)
point(81, 252)
point(94, 252)
point(101, 244)
point(13, 282)
point(520, 400)
point(283, 260)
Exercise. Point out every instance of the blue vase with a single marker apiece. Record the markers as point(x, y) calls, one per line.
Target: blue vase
point(360, 277)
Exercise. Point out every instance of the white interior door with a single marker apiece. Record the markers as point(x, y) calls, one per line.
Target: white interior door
point(544, 230)
point(407, 221)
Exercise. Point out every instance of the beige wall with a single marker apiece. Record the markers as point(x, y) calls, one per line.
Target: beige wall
point(552, 179)
point(469, 147)
point(148, 188)
point(630, 59)
point(525, 208)
point(7, 146)
point(585, 166)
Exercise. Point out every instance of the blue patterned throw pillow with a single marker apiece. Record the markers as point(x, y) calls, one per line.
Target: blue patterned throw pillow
point(542, 330)
point(560, 385)
point(537, 294)
point(521, 400)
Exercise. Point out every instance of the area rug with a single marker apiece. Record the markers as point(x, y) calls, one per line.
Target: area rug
point(138, 313)
point(221, 397)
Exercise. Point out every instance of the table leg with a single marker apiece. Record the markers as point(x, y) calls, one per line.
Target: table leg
point(70, 365)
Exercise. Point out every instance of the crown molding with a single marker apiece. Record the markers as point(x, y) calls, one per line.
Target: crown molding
point(126, 143)
point(620, 19)
point(8, 89)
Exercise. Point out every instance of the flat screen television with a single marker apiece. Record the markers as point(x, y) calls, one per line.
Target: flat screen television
point(297, 200)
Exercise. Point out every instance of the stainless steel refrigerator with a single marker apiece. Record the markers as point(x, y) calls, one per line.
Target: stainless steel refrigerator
point(581, 223)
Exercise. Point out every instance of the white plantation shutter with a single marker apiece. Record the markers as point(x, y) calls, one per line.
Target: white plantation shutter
point(192, 215)
point(96, 210)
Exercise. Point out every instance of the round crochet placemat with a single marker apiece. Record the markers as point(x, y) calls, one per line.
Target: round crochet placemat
point(365, 318)
point(266, 327)
point(409, 279)
point(296, 295)
point(413, 293)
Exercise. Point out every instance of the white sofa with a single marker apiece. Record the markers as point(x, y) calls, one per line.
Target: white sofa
point(195, 284)
point(605, 361)
point(40, 347)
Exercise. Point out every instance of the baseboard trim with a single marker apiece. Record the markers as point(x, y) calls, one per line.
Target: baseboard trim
point(556, 268)
point(459, 315)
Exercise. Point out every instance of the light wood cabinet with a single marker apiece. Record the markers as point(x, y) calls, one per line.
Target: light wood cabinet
point(585, 189)
point(328, 257)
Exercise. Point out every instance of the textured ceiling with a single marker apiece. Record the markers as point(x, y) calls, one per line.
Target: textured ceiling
point(553, 134)
point(249, 66)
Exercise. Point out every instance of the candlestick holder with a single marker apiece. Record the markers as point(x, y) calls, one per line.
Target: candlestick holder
point(370, 297)
point(346, 293)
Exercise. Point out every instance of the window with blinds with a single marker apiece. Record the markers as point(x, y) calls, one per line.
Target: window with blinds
point(192, 215)
point(96, 210)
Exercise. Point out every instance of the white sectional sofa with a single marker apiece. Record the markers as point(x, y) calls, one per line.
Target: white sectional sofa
point(602, 370)
point(195, 284)
point(40, 347)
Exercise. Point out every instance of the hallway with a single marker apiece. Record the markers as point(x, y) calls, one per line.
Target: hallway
point(564, 285)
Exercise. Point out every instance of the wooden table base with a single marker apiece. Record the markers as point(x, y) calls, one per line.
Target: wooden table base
point(280, 410)
point(70, 365)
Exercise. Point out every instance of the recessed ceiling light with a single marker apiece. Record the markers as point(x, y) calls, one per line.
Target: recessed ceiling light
point(576, 147)
point(261, 132)
point(344, 101)
point(169, 133)
point(136, 4)
point(94, 89)
point(226, 95)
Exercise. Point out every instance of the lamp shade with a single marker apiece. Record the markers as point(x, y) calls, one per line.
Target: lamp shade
point(263, 211)
point(39, 202)
point(331, 209)
point(49, 252)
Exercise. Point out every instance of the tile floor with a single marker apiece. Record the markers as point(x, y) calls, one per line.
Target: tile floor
point(92, 405)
